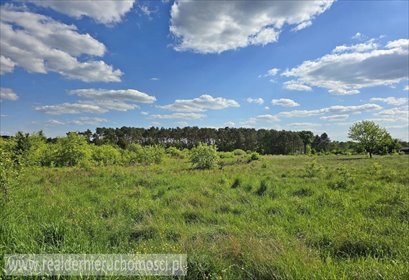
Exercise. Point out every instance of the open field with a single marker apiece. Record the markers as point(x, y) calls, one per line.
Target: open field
point(280, 217)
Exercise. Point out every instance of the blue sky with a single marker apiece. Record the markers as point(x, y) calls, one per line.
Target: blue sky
point(320, 66)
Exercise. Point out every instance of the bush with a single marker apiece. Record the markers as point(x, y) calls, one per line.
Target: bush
point(204, 156)
point(175, 153)
point(341, 180)
point(136, 154)
point(71, 150)
point(105, 155)
point(239, 152)
point(254, 156)
point(313, 169)
point(226, 155)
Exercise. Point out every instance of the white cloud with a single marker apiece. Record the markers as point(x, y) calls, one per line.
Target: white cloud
point(154, 79)
point(390, 100)
point(266, 108)
point(284, 102)
point(103, 12)
point(99, 101)
point(363, 47)
point(332, 112)
point(40, 44)
point(229, 124)
point(406, 88)
point(69, 108)
point(185, 116)
point(200, 104)
point(116, 95)
point(80, 121)
point(217, 26)
point(54, 122)
point(395, 114)
point(258, 101)
point(144, 113)
point(267, 117)
point(6, 65)
point(349, 70)
point(8, 94)
point(335, 118)
point(296, 85)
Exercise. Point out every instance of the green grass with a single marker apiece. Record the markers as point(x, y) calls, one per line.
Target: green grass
point(264, 219)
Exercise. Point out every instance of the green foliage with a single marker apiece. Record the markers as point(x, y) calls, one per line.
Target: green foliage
point(254, 156)
point(313, 169)
point(9, 169)
point(105, 155)
point(370, 137)
point(136, 154)
point(237, 183)
point(175, 152)
point(239, 152)
point(71, 150)
point(226, 154)
point(340, 179)
point(204, 156)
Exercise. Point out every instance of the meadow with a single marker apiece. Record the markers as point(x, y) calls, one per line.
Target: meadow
point(275, 217)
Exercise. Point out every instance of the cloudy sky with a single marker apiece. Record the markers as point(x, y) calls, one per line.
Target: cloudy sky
point(308, 65)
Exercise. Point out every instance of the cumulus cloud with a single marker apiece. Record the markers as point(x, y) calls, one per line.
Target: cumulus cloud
point(99, 101)
point(229, 124)
point(185, 116)
point(406, 88)
point(284, 102)
point(397, 114)
point(258, 101)
point(40, 44)
point(111, 94)
point(296, 85)
point(331, 113)
point(8, 94)
point(200, 104)
point(6, 65)
point(350, 68)
point(390, 100)
point(218, 26)
point(106, 12)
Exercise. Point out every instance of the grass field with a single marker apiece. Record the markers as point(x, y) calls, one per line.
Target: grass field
point(280, 217)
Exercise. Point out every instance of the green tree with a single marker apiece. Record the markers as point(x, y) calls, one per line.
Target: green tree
point(306, 137)
point(370, 136)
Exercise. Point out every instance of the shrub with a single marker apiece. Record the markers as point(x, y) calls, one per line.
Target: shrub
point(105, 155)
point(313, 169)
point(143, 155)
point(239, 152)
point(341, 180)
point(204, 156)
point(254, 156)
point(226, 155)
point(71, 150)
point(175, 152)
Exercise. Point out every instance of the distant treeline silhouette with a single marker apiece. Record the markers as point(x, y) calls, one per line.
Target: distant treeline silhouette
point(264, 141)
